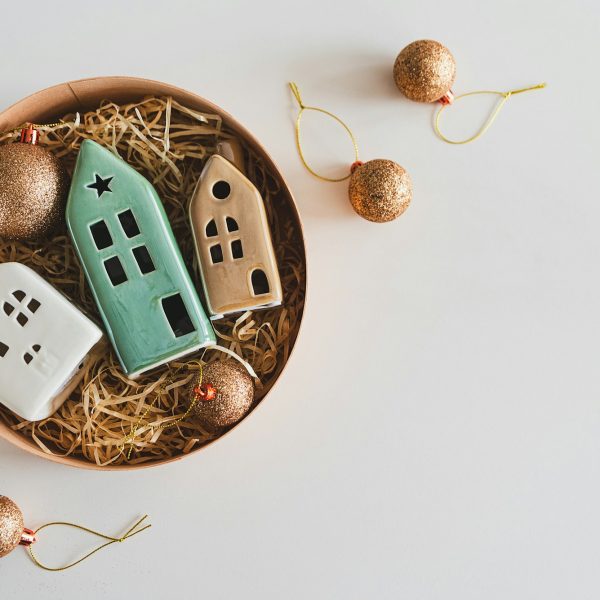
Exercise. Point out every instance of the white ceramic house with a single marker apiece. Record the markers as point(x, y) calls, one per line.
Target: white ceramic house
point(44, 343)
point(235, 252)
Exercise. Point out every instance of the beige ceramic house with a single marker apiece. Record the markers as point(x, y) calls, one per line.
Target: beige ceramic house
point(233, 241)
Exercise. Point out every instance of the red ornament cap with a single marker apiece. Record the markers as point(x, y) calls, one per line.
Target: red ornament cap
point(29, 135)
point(205, 392)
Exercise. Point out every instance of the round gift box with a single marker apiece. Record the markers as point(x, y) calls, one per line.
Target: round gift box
point(78, 96)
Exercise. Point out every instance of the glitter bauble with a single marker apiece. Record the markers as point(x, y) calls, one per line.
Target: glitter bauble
point(33, 192)
point(11, 525)
point(380, 190)
point(424, 71)
point(233, 398)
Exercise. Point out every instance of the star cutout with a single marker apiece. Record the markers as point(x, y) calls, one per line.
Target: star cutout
point(101, 185)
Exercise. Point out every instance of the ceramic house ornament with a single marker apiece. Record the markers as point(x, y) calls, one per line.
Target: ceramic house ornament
point(233, 242)
point(44, 343)
point(147, 300)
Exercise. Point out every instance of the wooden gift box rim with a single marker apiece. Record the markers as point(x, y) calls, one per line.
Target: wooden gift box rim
point(84, 94)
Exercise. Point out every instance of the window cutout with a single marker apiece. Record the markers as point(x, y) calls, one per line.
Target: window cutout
point(22, 319)
point(221, 190)
point(260, 283)
point(19, 295)
point(36, 348)
point(144, 260)
point(236, 249)
point(101, 235)
point(33, 305)
point(3, 350)
point(27, 358)
point(115, 271)
point(129, 224)
point(177, 315)
point(216, 254)
point(231, 224)
point(211, 229)
point(8, 308)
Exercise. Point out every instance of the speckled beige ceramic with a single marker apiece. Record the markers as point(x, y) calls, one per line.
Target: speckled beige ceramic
point(233, 241)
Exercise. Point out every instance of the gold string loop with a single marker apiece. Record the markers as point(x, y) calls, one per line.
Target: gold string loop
point(134, 429)
point(504, 98)
point(111, 540)
point(303, 108)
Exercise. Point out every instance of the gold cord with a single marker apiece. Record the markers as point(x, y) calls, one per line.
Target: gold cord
point(134, 429)
point(296, 92)
point(34, 125)
point(504, 95)
point(111, 540)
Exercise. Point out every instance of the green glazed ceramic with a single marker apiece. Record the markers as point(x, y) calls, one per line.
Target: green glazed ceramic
point(133, 265)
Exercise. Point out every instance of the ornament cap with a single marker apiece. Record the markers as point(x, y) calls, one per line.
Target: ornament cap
point(355, 165)
point(205, 392)
point(447, 98)
point(27, 537)
point(29, 135)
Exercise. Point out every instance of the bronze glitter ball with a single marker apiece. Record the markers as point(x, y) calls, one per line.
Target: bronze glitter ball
point(380, 190)
point(424, 71)
point(234, 397)
point(11, 525)
point(33, 192)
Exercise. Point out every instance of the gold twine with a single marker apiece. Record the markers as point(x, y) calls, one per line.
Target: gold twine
point(177, 420)
point(504, 95)
point(303, 108)
point(111, 540)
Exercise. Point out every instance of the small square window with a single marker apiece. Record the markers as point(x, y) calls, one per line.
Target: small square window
point(236, 249)
point(101, 235)
point(144, 260)
point(115, 271)
point(129, 224)
point(3, 350)
point(22, 319)
point(33, 305)
point(216, 254)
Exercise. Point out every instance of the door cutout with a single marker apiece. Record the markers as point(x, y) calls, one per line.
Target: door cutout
point(260, 283)
point(177, 315)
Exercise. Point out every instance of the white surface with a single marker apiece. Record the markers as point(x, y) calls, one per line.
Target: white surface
point(437, 432)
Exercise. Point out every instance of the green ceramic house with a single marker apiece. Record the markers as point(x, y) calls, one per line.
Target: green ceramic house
point(133, 265)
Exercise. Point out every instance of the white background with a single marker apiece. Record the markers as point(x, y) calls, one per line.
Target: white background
point(437, 432)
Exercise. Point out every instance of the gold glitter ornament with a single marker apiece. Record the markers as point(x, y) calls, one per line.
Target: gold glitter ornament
point(380, 190)
point(12, 528)
point(222, 394)
point(33, 189)
point(13, 534)
point(424, 71)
